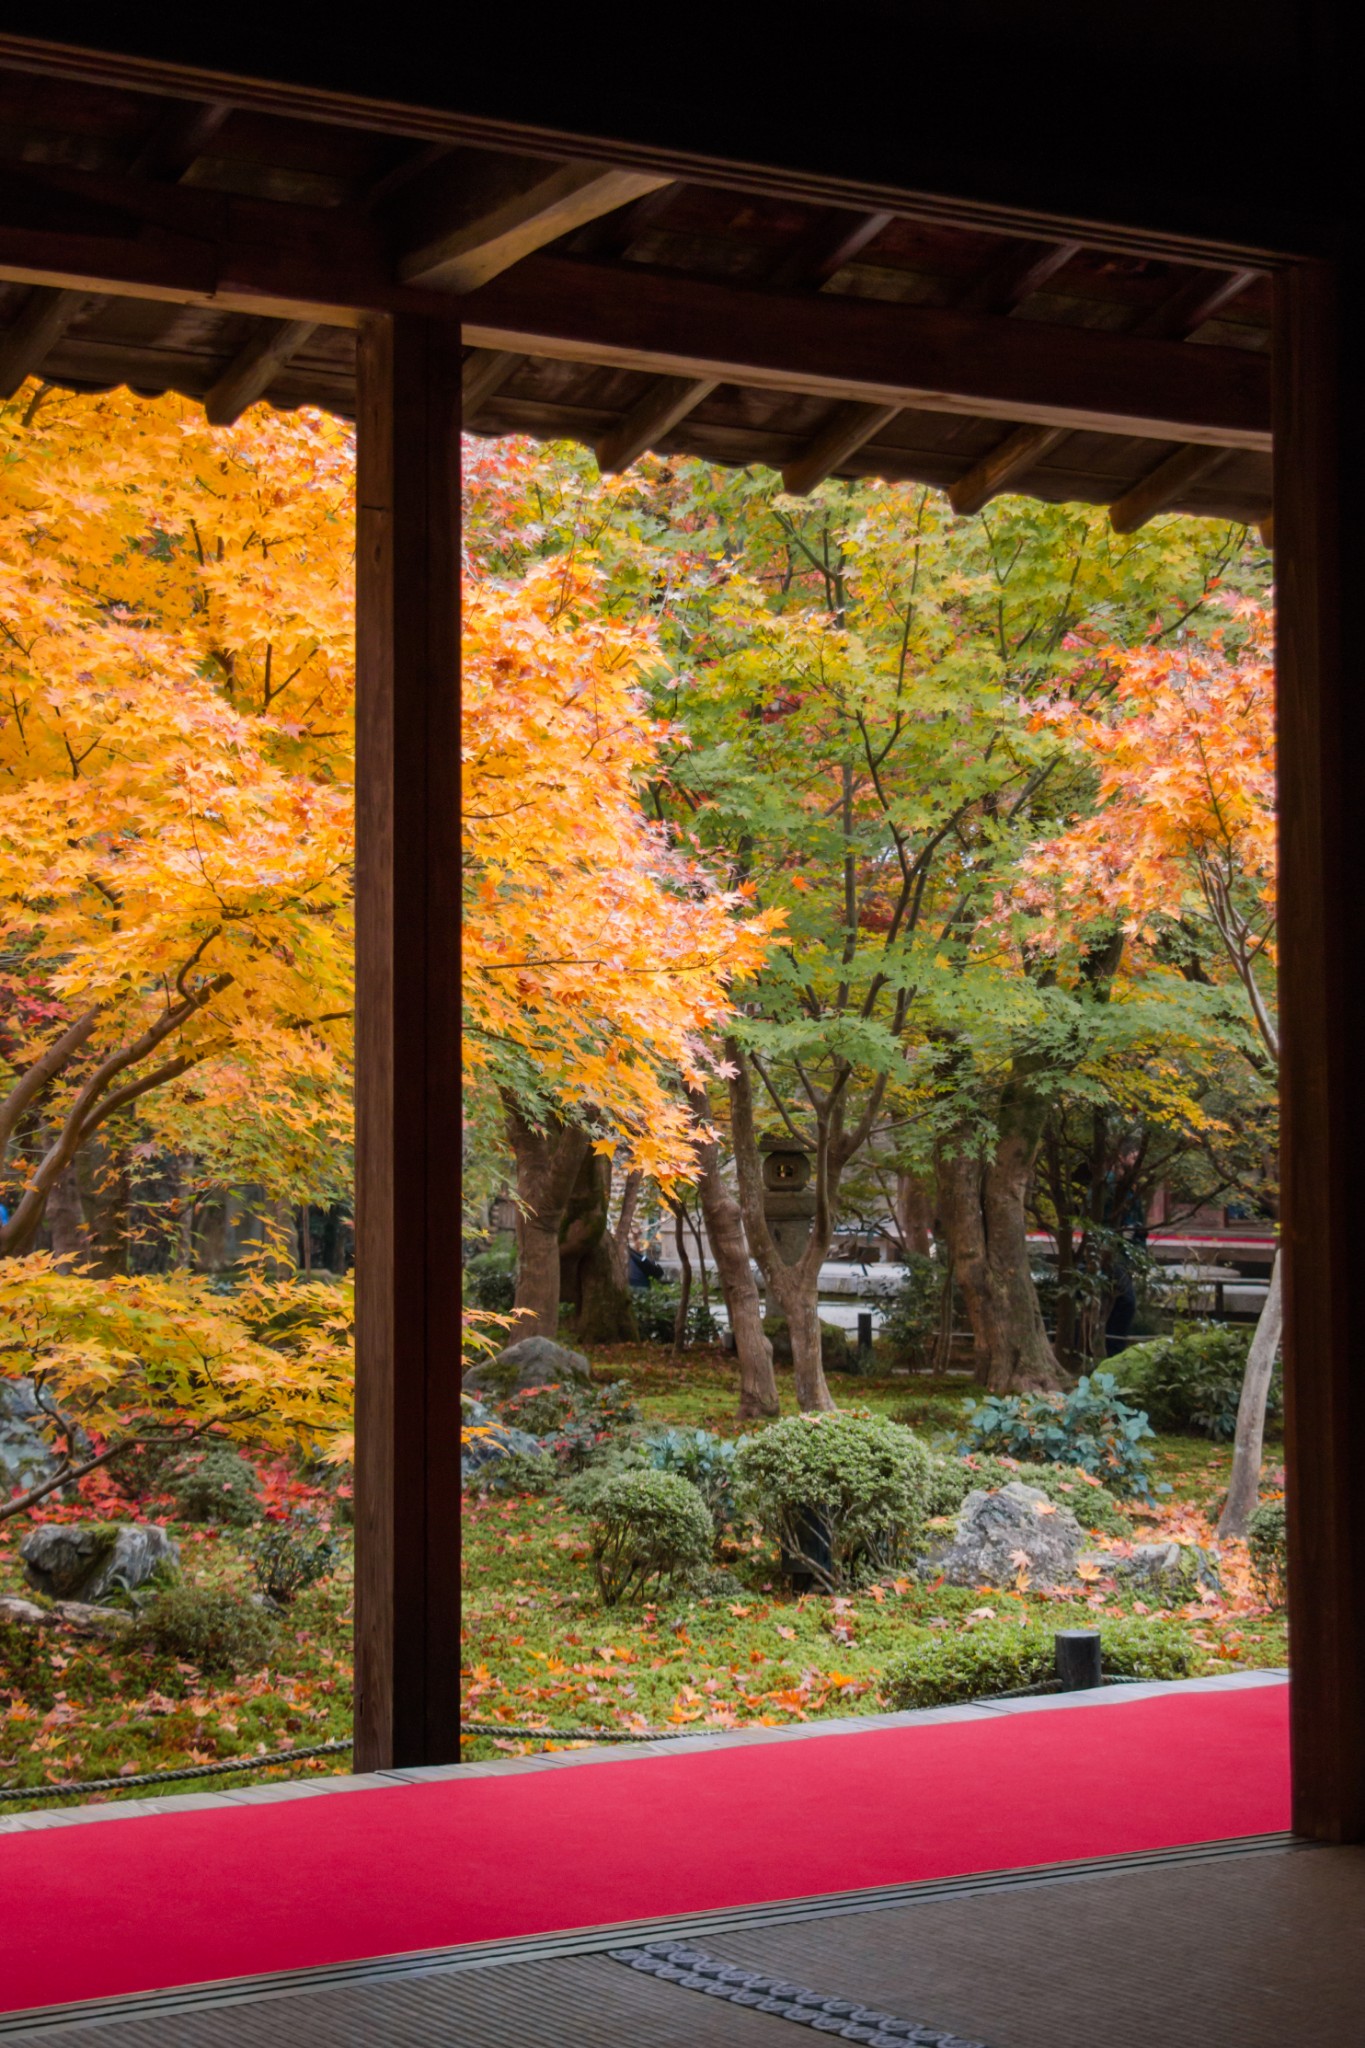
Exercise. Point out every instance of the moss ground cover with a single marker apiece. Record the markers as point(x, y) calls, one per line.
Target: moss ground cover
point(539, 1648)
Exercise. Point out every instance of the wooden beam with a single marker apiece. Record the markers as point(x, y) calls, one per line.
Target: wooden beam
point(876, 352)
point(1163, 486)
point(331, 264)
point(1319, 355)
point(456, 240)
point(1265, 529)
point(846, 431)
point(43, 319)
point(1001, 465)
point(486, 370)
point(408, 1111)
point(665, 403)
point(254, 369)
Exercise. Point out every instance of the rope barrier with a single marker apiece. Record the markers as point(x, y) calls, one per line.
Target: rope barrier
point(227, 1766)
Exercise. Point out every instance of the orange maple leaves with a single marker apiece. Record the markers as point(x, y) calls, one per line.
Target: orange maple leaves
point(593, 947)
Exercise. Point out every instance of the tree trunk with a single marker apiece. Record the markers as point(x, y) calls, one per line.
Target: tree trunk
point(548, 1162)
point(592, 1273)
point(685, 1286)
point(981, 1202)
point(1244, 1489)
point(65, 1218)
point(915, 1213)
point(725, 1230)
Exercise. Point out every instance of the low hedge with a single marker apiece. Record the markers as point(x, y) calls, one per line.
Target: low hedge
point(942, 1669)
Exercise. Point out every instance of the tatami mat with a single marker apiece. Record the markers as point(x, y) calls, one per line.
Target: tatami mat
point(1239, 1950)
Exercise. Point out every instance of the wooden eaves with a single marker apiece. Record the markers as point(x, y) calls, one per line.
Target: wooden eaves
point(621, 307)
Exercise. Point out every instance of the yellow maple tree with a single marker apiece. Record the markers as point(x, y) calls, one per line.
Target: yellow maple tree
point(175, 772)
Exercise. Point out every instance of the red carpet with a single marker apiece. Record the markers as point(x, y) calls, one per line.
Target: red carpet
point(117, 1906)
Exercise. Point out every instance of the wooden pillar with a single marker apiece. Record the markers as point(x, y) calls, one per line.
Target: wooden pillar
point(1319, 565)
point(408, 1137)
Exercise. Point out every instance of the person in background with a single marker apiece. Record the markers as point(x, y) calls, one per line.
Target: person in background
point(641, 1267)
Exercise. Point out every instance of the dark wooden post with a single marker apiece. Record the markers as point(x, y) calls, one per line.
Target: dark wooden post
point(407, 1619)
point(1319, 562)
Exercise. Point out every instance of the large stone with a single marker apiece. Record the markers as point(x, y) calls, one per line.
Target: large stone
point(27, 1457)
point(494, 1440)
point(1001, 1534)
point(87, 1561)
point(530, 1362)
point(1167, 1574)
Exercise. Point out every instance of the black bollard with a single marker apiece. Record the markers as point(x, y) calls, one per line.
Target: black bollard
point(1077, 1653)
point(864, 1330)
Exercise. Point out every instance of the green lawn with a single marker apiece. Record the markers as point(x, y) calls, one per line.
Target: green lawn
point(539, 1648)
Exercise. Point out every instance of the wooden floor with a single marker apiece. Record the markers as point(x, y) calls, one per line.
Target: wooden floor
point(1227, 1948)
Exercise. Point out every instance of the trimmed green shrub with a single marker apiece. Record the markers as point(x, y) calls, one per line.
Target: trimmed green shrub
point(996, 1657)
point(1191, 1381)
point(647, 1528)
point(705, 1460)
point(288, 1556)
point(210, 1627)
point(1092, 1427)
point(490, 1279)
point(838, 1352)
point(216, 1485)
point(1268, 1548)
point(844, 1495)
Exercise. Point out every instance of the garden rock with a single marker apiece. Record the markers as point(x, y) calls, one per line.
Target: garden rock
point(530, 1362)
point(26, 1613)
point(477, 1451)
point(90, 1621)
point(26, 1456)
point(1000, 1534)
point(87, 1561)
point(1167, 1573)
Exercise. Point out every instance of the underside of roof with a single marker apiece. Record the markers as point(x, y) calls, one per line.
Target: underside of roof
point(618, 309)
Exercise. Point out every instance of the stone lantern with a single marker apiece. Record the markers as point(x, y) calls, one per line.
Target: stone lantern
point(788, 1197)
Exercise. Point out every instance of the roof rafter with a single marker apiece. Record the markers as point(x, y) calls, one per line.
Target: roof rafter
point(1165, 484)
point(254, 369)
point(459, 225)
point(46, 314)
point(668, 400)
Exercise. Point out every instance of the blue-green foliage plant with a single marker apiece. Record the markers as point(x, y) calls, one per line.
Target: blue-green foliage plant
point(1092, 1428)
point(701, 1457)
